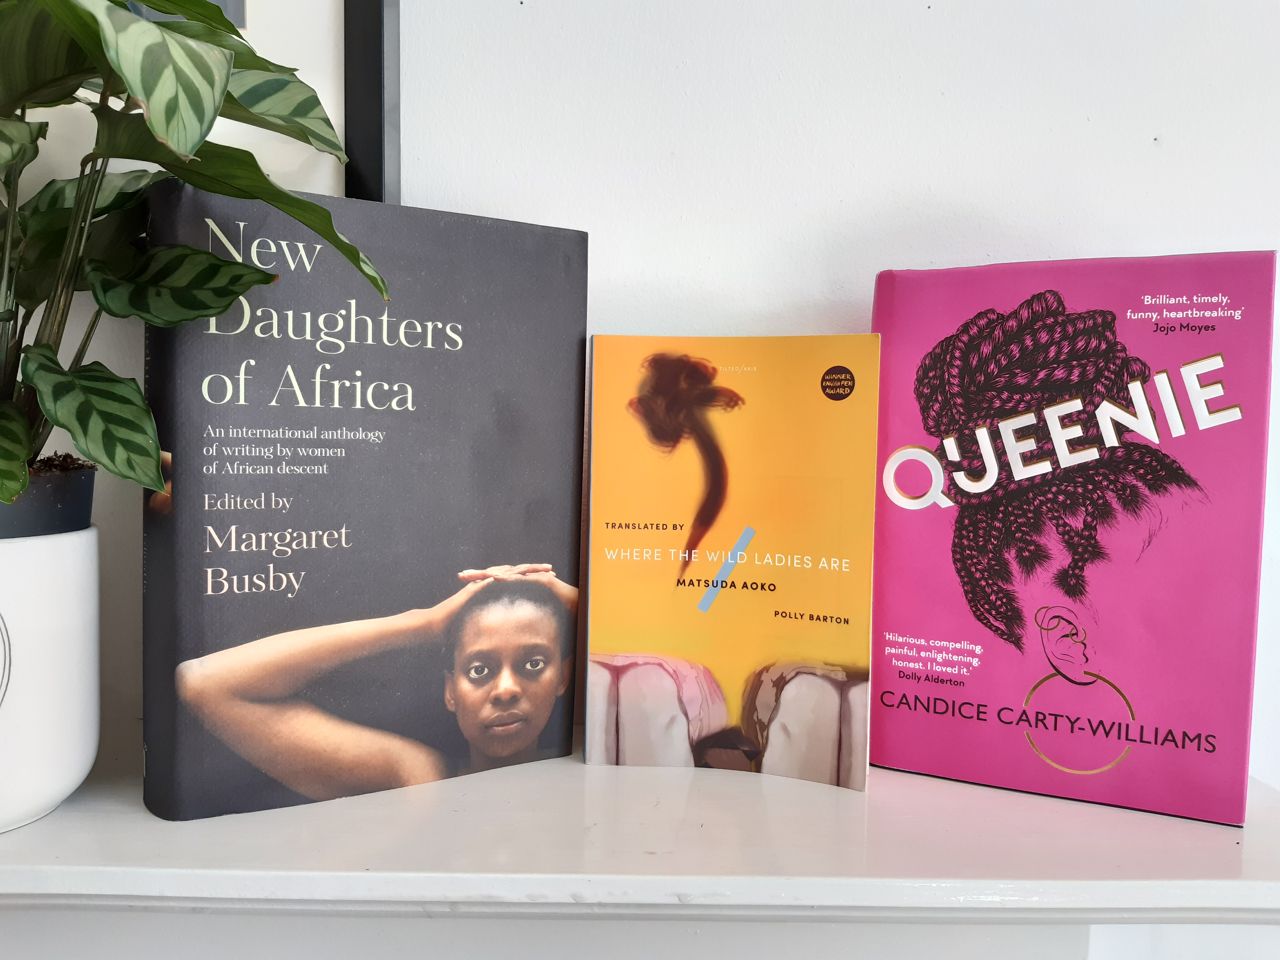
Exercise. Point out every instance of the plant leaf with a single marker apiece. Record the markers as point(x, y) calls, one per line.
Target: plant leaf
point(116, 239)
point(79, 24)
point(283, 103)
point(49, 210)
point(201, 11)
point(40, 62)
point(119, 220)
point(179, 82)
point(18, 143)
point(172, 285)
point(15, 451)
point(106, 415)
point(95, 85)
point(244, 56)
point(230, 172)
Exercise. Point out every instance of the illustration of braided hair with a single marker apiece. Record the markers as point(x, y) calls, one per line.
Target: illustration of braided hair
point(996, 366)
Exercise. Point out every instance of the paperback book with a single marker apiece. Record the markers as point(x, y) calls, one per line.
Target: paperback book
point(730, 542)
point(364, 573)
point(1070, 521)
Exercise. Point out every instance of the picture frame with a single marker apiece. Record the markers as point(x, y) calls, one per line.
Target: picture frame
point(371, 72)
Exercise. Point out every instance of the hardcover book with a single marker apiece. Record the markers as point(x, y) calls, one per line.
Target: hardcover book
point(1070, 522)
point(730, 543)
point(364, 574)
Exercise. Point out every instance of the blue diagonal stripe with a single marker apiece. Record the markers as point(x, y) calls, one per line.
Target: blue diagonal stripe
point(726, 569)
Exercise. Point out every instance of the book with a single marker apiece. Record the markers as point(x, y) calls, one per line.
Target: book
point(732, 490)
point(1070, 520)
point(365, 574)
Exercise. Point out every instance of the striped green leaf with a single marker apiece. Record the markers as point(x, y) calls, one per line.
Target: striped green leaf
point(119, 220)
point(200, 11)
point(231, 173)
point(106, 416)
point(49, 210)
point(19, 143)
point(40, 62)
point(283, 103)
point(15, 450)
point(244, 56)
point(117, 239)
point(172, 285)
point(180, 82)
point(82, 27)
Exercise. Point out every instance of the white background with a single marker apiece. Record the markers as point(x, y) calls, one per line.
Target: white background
point(746, 166)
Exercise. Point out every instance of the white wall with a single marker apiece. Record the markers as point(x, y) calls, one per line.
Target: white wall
point(746, 166)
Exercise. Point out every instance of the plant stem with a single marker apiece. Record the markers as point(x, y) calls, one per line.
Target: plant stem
point(13, 357)
point(22, 328)
point(84, 341)
point(53, 322)
point(8, 272)
point(41, 438)
point(8, 282)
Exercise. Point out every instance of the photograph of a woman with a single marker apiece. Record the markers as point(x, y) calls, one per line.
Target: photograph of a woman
point(504, 642)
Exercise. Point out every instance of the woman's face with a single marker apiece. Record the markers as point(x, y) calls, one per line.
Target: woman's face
point(507, 673)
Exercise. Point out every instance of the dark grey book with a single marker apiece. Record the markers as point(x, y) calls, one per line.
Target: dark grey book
point(365, 574)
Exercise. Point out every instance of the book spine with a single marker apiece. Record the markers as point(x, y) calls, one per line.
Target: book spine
point(160, 609)
point(882, 303)
point(169, 615)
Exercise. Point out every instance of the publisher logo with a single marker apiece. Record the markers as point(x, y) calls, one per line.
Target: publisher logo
point(838, 383)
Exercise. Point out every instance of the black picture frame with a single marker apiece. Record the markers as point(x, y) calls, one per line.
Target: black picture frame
point(371, 90)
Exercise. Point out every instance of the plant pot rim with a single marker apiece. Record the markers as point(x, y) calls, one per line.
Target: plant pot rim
point(46, 536)
point(53, 503)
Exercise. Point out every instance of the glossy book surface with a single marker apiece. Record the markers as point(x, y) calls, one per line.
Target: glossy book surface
point(730, 544)
point(365, 573)
point(1069, 526)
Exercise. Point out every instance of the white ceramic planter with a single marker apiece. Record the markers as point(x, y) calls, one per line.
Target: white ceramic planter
point(48, 671)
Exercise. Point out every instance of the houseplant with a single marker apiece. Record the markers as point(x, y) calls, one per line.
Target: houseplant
point(154, 90)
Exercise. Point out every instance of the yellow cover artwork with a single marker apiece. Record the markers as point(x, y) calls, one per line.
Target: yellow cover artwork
point(731, 523)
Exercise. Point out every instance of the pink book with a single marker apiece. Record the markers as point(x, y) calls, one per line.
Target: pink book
point(1069, 526)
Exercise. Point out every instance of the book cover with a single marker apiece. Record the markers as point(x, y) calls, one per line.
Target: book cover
point(1070, 522)
point(730, 543)
point(364, 575)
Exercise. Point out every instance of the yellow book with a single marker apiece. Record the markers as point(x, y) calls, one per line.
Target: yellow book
point(731, 522)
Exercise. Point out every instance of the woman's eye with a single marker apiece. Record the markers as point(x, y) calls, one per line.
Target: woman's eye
point(477, 671)
point(535, 664)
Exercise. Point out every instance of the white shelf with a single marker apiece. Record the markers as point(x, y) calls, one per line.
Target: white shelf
point(562, 837)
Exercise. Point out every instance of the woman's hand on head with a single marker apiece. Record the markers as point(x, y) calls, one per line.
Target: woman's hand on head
point(541, 572)
point(505, 571)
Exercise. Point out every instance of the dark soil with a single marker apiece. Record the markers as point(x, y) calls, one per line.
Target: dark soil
point(61, 463)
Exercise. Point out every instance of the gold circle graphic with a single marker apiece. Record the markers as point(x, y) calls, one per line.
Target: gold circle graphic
point(1053, 763)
